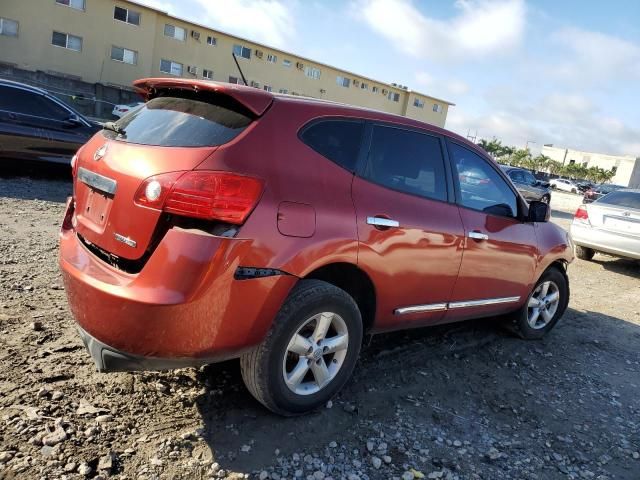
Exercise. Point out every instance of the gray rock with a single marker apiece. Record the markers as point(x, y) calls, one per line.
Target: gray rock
point(6, 456)
point(407, 476)
point(376, 462)
point(263, 475)
point(84, 469)
point(104, 418)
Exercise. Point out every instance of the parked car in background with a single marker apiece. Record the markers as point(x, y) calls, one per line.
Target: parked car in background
point(583, 186)
point(598, 191)
point(121, 110)
point(211, 240)
point(530, 187)
point(36, 126)
point(564, 184)
point(610, 224)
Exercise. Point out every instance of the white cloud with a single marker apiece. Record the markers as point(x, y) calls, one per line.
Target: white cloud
point(441, 87)
point(594, 58)
point(268, 21)
point(480, 28)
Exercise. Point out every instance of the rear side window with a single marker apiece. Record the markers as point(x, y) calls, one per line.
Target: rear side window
point(184, 120)
point(337, 140)
point(621, 198)
point(21, 101)
point(407, 161)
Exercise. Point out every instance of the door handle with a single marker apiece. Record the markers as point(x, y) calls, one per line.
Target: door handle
point(382, 222)
point(478, 235)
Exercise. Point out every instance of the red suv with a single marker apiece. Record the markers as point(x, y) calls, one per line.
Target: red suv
point(220, 221)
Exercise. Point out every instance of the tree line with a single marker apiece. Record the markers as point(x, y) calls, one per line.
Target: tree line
point(521, 157)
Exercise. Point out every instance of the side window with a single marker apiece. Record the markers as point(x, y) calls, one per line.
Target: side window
point(529, 179)
point(28, 103)
point(337, 140)
point(407, 161)
point(517, 176)
point(481, 187)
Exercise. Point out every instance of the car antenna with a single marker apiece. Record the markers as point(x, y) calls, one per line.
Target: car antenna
point(239, 69)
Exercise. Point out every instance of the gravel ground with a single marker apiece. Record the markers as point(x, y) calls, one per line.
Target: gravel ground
point(463, 401)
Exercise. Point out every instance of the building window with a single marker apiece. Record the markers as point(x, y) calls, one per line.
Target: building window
point(437, 108)
point(356, 83)
point(172, 68)
point(242, 51)
point(283, 90)
point(8, 27)
point(124, 55)
point(286, 63)
point(207, 74)
point(271, 58)
point(77, 4)
point(213, 41)
point(172, 31)
point(364, 86)
point(312, 72)
point(342, 81)
point(418, 103)
point(614, 169)
point(66, 41)
point(394, 96)
point(374, 89)
point(126, 15)
point(235, 80)
point(267, 88)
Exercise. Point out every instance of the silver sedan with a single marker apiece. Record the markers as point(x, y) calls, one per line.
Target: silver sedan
point(610, 225)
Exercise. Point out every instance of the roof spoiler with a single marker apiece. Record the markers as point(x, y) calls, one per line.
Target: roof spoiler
point(257, 101)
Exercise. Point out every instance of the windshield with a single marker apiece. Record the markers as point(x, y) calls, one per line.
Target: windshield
point(183, 120)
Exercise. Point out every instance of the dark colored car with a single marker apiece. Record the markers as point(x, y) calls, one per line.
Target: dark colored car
point(36, 126)
point(220, 221)
point(583, 186)
point(528, 185)
point(598, 191)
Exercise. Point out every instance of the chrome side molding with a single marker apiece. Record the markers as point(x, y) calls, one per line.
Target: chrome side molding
point(434, 307)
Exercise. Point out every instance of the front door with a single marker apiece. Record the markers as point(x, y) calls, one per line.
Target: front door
point(410, 235)
point(500, 250)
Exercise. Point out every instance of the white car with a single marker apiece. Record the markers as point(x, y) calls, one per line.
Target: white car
point(564, 184)
point(122, 110)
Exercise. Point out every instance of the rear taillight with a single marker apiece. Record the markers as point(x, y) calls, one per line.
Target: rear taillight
point(223, 196)
point(581, 215)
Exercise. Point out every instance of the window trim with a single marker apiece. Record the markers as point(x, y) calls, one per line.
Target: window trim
point(366, 147)
point(83, 9)
point(127, 19)
point(124, 49)
point(523, 210)
point(66, 47)
point(17, 35)
point(185, 30)
point(172, 62)
point(242, 49)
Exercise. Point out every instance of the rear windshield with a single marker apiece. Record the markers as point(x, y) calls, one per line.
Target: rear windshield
point(622, 199)
point(184, 119)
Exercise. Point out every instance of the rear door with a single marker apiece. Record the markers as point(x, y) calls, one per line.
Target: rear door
point(410, 235)
point(500, 251)
point(21, 133)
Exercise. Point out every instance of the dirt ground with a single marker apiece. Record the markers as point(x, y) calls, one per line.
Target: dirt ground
point(465, 401)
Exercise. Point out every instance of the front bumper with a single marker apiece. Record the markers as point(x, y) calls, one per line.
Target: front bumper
point(604, 241)
point(184, 307)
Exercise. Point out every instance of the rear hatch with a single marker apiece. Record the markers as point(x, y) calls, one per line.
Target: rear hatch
point(175, 131)
point(617, 212)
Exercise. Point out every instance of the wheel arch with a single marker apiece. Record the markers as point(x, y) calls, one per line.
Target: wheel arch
point(353, 280)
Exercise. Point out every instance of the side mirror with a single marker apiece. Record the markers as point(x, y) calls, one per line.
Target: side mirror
point(73, 121)
point(538, 212)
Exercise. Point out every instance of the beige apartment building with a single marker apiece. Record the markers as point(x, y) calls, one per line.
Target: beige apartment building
point(626, 167)
point(113, 42)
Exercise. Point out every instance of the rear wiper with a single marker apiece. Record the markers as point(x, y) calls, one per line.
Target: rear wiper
point(114, 128)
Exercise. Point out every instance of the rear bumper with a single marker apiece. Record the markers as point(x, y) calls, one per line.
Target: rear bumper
point(184, 308)
point(604, 241)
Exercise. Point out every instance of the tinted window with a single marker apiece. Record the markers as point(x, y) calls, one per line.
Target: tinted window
point(190, 121)
point(529, 179)
point(338, 140)
point(408, 161)
point(517, 176)
point(29, 103)
point(481, 187)
point(622, 199)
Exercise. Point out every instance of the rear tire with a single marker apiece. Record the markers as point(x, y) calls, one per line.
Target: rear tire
point(584, 253)
point(297, 368)
point(540, 313)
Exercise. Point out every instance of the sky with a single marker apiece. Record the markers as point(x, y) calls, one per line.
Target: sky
point(561, 72)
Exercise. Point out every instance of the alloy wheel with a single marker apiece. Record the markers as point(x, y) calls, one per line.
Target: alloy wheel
point(543, 304)
point(315, 353)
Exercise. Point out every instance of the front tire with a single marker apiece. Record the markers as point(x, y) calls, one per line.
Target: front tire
point(545, 305)
point(584, 253)
point(310, 351)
